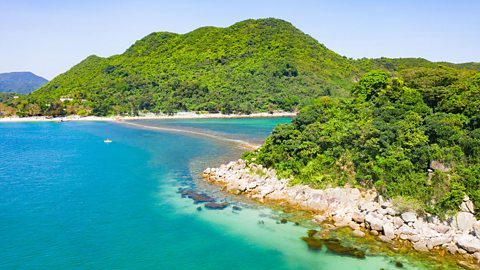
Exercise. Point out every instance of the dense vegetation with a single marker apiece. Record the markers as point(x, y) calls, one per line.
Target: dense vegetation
point(254, 65)
point(20, 82)
point(251, 66)
point(414, 134)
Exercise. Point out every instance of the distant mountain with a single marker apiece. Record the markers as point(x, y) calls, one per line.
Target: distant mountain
point(20, 82)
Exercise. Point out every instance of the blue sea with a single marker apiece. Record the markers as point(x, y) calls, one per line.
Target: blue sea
point(70, 201)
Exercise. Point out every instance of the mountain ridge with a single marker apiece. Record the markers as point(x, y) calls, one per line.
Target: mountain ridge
point(21, 82)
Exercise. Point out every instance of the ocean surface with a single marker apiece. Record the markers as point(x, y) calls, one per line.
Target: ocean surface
point(70, 201)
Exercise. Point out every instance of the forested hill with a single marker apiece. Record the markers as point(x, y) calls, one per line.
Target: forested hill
point(20, 82)
point(251, 66)
point(414, 136)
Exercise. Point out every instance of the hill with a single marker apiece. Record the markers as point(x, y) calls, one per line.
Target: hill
point(20, 82)
point(414, 136)
point(252, 66)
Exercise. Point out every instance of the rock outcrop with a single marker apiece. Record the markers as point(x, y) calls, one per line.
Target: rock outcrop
point(359, 210)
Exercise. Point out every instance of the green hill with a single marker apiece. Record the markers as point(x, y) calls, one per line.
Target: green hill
point(414, 136)
point(251, 66)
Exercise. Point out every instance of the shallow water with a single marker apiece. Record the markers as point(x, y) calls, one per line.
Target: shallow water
point(70, 201)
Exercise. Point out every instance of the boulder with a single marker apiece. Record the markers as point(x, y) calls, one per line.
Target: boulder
point(453, 249)
point(420, 246)
point(476, 228)
point(464, 221)
point(467, 207)
point(385, 239)
point(407, 230)
point(341, 221)
point(414, 237)
point(369, 206)
point(438, 241)
point(441, 228)
point(397, 222)
point(319, 219)
point(375, 223)
point(353, 225)
point(469, 243)
point(216, 206)
point(388, 230)
point(476, 255)
point(358, 217)
point(409, 217)
point(358, 233)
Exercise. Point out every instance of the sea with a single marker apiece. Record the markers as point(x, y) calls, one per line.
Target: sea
point(68, 200)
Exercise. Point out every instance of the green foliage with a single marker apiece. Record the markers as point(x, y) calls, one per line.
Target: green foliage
point(251, 66)
point(254, 65)
point(394, 134)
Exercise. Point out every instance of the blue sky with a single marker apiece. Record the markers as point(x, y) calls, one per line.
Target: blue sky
point(48, 37)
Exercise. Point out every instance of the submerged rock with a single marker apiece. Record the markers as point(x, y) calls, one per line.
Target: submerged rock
point(216, 206)
point(335, 246)
point(196, 197)
point(313, 243)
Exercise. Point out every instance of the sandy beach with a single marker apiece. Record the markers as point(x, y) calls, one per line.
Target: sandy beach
point(180, 115)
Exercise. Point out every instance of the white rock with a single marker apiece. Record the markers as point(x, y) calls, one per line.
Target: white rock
point(405, 229)
point(476, 255)
point(369, 206)
point(353, 225)
point(476, 228)
point(397, 222)
point(469, 243)
point(441, 228)
point(438, 241)
point(453, 249)
point(409, 216)
point(388, 230)
point(420, 246)
point(375, 223)
point(319, 218)
point(385, 239)
point(414, 237)
point(358, 233)
point(464, 221)
point(358, 217)
point(467, 207)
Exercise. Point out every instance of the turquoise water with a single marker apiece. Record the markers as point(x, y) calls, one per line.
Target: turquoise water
point(70, 201)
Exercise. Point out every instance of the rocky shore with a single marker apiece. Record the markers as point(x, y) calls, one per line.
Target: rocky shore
point(362, 211)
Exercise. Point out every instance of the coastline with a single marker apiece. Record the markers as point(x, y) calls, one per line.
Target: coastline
point(364, 212)
point(180, 115)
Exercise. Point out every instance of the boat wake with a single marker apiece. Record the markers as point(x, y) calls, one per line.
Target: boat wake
point(241, 143)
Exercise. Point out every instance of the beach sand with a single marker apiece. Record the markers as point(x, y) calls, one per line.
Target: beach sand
point(180, 115)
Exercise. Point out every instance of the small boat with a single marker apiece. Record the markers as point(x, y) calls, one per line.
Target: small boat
point(107, 141)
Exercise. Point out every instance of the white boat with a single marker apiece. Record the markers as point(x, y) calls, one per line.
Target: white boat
point(107, 141)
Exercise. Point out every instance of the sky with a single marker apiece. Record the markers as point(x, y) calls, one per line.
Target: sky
point(47, 37)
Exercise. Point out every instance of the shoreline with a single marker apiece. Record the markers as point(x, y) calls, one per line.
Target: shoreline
point(180, 115)
point(364, 212)
point(241, 143)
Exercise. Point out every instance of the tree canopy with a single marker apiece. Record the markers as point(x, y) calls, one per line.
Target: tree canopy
point(414, 134)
